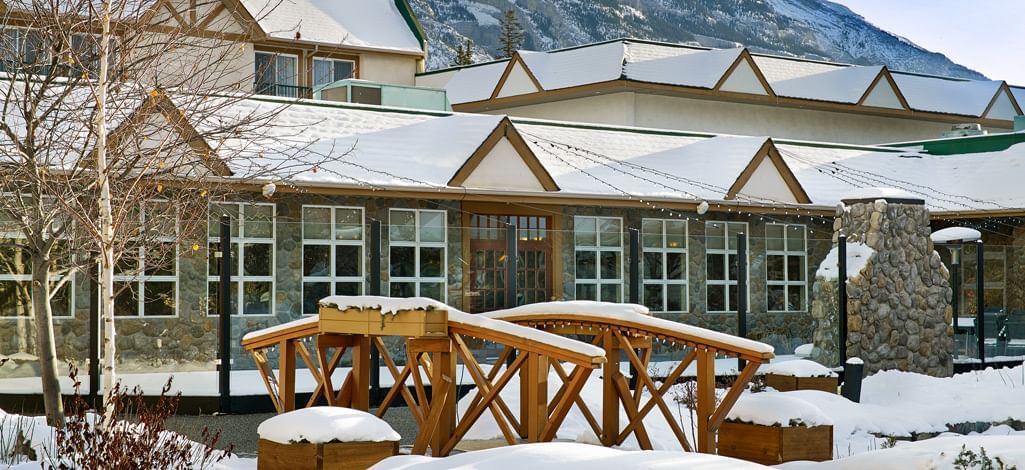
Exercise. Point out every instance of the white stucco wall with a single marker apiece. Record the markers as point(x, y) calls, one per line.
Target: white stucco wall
point(615, 108)
point(518, 83)
point(387, 68)
point(723, 117)
point(503, 168)
point(767, 183)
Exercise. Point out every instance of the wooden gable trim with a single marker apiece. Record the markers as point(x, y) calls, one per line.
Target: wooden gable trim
point(744, 56)
point(885, 74)
point(1003, 89)
point(505, 129)
point(769, 150)
point(515, 59)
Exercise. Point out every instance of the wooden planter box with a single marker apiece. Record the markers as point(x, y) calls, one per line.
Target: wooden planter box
point(771, 445)
point(330, 456)
point(409, 323)
point(786, 383)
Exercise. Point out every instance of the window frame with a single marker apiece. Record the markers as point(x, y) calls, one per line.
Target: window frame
point(27, 278)
point(241, 279)
point(141, 278)
point(333, 61)
point(786, 253)
point(597, 249)
point(333, 243)
point(276, 55)
point(417, 244)
point(664, 251)
point(726, 251)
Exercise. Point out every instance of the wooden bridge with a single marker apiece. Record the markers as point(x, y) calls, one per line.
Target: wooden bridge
point(532, 343)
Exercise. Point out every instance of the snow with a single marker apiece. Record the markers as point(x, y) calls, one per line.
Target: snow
point(632, 313)
point(564, 456)
point(947, 95)
point(841, 85)
point(804, 350)
point(576, 66)
point(777, 409)
point(858, 255)
point(855, 361)
point(955, 234)
point(305, 321)
point(701, 69)
point(323, 424)
point(799, 368)
point(860, 194)
point(938, 453)
point(474, 83)
point(561, 342)
point(373, 24)
point(386, 305)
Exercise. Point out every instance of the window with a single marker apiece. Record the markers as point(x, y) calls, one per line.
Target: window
point(277, 75)
point(150, 271)
point(327, 71)
point(16, 278)
point(721, 265)
point(416, 253)
point(333, 260)
point(598, 258)
point(22, 47)
point(252, 257)
point(786, 267)
point(664, 264)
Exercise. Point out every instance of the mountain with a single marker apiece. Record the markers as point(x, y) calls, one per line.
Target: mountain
point(814, 29)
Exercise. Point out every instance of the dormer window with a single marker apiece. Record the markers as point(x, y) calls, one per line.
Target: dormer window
point(327, 71)
point(278, 75)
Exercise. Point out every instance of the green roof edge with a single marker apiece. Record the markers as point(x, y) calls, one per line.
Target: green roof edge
point(412, 22)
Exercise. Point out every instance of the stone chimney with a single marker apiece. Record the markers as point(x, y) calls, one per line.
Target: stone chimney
point(898, 290)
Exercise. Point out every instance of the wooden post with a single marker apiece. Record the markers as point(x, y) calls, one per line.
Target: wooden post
point(443, 376)
point(706, 400)
point(610, 394)
point(286, 375)
point(361, 373)
point(535, 408)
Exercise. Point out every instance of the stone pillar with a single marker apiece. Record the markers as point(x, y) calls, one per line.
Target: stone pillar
point(898, 304)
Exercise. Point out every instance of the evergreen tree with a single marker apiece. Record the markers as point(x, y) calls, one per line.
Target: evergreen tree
point(511, 36)
point(464, 53)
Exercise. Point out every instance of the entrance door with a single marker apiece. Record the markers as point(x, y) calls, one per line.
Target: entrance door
point(488, 255)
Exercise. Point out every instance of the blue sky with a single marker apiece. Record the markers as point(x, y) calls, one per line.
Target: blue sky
point(980, 34)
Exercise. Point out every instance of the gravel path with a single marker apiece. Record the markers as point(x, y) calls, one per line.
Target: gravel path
point(240, 430)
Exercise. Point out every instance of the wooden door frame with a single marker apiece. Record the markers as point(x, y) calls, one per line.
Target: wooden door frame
point(496, 208)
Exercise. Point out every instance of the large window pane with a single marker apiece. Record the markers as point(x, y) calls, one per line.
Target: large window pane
point(403, 289)
point(716, 265)
point(348, 260)
point(257, 297)
point(316, 260)
point(610, 231)
point(584, 229)
point(316, 223)
point(676, 267)
point(258, 221)
point(403, 261)
point(611, 292)
point(653, 297)
point(348, 224)
point(610, 264)
point(312, 293)
point(651, 233)
point(587, 292)
point(586, 262)
point(676, 297)
point(652, 265)
point(126, 299)
point(402, 226)
point(774, 267)
point(159, 298)
point(432, 226)
point(257, 260)
point(432, 262)
point(432, 290)
point(15, 298)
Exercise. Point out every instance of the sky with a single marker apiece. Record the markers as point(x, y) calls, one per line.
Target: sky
point(979, 34)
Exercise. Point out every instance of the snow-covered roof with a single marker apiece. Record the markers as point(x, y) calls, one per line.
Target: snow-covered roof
point(698, 67)
point(345, 145)
point(372, 24)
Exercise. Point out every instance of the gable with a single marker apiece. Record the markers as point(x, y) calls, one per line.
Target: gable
point(194, 15)
point(767, 183)
point(742, 78)
point(502, 168)
point(517, 81)
point(767, 176)
point(882, 94)
point(1002, 106)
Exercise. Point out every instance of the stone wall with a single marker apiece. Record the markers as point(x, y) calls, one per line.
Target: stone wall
point(899, 304)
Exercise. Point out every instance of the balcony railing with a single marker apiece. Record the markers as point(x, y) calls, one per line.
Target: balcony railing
point(287, 91)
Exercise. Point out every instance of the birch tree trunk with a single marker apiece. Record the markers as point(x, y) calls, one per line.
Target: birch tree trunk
point(106, 223)
point(46, 349)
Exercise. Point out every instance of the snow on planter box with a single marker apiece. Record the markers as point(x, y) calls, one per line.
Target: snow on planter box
point(771, 428)
point(323, 438)
point(802, 374)
point(384, 316)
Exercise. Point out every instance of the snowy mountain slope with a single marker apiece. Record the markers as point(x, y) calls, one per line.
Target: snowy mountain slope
point(816, 29)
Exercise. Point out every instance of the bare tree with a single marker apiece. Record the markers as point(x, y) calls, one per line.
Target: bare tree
point(121, 123)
